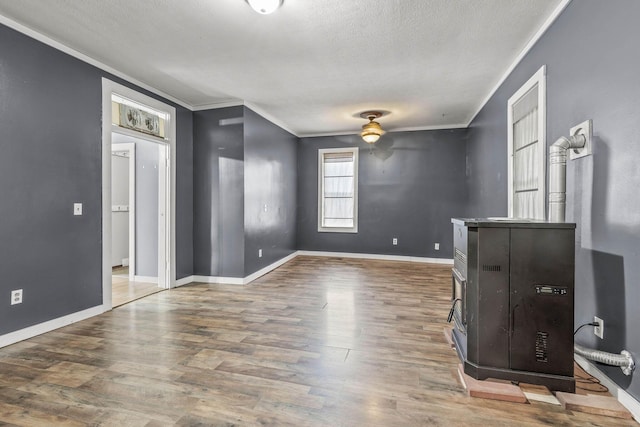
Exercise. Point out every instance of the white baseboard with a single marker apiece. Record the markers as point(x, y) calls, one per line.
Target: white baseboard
point(446, 261)
point(624, 398)
point(145, 279)
point(48, 326)
point(184, 281)
point(219, 280)
point(250, 278)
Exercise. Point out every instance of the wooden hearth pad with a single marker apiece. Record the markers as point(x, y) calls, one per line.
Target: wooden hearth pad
point(491, 390)
point(599, 405)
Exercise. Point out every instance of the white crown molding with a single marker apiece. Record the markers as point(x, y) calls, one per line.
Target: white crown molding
point(543, 29)
point(234, 103)
point(405, 129)
point(259, 111)
point(438, 127)
point(89, 60)
point(216, 105)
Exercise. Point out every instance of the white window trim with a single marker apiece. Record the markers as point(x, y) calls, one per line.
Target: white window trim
point(321, 153)
point(539, 78)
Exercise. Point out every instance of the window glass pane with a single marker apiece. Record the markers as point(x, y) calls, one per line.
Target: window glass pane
point(339, 168)
point(338, 192)
point(338, 186)
point(525, 169)
point(338, 208)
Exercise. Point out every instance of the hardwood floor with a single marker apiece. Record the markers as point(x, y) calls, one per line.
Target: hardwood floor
point(319, 341)
point(123, 291)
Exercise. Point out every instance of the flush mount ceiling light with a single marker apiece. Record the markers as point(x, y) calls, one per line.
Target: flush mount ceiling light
point(264, 7)
point(372, 131)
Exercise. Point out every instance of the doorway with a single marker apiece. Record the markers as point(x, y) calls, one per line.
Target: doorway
point(140, 139)
point(135, 189)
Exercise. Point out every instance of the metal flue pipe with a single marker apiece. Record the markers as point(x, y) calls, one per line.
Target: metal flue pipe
point(558, 153)
point(624, 360)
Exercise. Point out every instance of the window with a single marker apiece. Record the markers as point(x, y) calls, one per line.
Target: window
point(526, 144)
point(338, 190)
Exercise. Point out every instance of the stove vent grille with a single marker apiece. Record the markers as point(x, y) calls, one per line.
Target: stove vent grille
point(541, 346)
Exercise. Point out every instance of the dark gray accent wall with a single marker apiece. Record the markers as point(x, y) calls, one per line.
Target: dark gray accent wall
point(270, 192)
point(50, 143)
point(50, 122)
point(184, 193)
point(218, 175)
point(410, 185)
point(592, 73)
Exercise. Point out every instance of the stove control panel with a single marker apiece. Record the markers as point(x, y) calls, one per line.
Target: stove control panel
point(551, 290)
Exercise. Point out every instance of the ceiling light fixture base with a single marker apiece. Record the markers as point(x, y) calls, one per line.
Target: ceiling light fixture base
point(371, 115)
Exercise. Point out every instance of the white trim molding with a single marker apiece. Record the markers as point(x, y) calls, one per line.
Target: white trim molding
point(216, 105)
point(539, 80)
point(145, 279)
point(250, 278)
point(623, 397)
point(166, 242)
point(402, 258)
point(543, 29)
point(184, 281)
point(48, 326)
point(89, 60)
point(219, 280)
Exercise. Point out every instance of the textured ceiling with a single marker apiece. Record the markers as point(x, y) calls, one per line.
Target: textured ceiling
point(314, 64)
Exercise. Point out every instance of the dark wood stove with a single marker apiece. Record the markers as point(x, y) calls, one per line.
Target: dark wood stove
point(512, 300)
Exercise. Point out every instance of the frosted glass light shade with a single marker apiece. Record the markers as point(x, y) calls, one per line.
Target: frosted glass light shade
point(371, 132)
point(264, 7)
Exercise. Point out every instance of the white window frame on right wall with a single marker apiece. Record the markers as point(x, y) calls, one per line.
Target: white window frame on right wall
point(539, 79)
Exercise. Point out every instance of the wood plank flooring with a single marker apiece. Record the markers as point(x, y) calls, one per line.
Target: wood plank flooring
point(124, 291)
point(317, 342)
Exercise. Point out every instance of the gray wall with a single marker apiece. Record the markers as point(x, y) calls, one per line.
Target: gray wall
point(410, 185)
point(218, 175)
point(269, 181)
point(239, 167)
point(50, 117)
point(592, 73)
point(184, 193)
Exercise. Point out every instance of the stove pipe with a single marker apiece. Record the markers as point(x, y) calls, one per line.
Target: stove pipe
point(558, 153)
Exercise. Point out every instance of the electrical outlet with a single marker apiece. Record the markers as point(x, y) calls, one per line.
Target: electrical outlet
point(259, 253)
point(16, 297)
point(598, 330)
point(436, 246)
point(395, 241)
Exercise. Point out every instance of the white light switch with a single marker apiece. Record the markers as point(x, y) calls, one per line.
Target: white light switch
point(77, 208)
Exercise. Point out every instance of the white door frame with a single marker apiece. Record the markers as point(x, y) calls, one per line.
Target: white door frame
point(131, 149)
point(539, 79)
point(166, 220)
